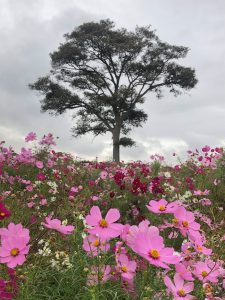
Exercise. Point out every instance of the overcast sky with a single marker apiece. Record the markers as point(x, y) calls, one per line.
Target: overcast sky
point(30, 30)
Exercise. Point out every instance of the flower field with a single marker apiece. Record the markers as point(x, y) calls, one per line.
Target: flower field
point(88, 230)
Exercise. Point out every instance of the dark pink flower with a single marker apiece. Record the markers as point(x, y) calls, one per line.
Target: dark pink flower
point(4, 212)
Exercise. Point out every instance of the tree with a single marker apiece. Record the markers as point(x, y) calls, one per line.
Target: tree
point(104, 73)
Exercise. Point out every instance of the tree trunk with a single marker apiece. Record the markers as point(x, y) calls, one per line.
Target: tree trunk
point(116, 144)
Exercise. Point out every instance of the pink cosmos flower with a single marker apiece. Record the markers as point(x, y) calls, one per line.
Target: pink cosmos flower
point(150, 245)
point(184, 272)
point(94, 198)
point(93, 245)
point(15, 231)
point(29, 188)
point(43, 202)
point(161, 206)
point(201, 193)
point(207, 271)
point(205, 201)
point(56, 224)
point(96, 275)
point(119, 249)
point(30, 137)
point(4, 212)
point(134, 231)
point(185, 221)
point(103, 175)
point(30, 204)
point(125, 232)
point(105, 228)
point(39, 164)
point(13, 251)
point(179, 289)
point(47, 140)
point(126, 267)
point(200, 248)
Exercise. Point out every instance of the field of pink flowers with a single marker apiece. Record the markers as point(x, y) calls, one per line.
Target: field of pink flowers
point(88, 230)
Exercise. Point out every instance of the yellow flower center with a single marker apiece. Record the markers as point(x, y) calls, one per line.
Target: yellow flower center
point(154, 254)
point(162, 208)
point(2, 214)
point(185, 223)
point(181, 293)
point(175, 221)
point(14, 252)
point(103, 223)
point(204, 273)
point(124, 269)
point(199, 248)
point(96, 243)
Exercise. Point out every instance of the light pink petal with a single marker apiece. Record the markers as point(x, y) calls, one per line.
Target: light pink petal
point(180, 213)
point(189, 287)
point(179, 281)
point(190, 216)
point(169, 284)
point(96, 213)
point(112, 215)
point(157, 242)
point(162, 202)
point(91, 221)
point(132, 265)
point(4, 252)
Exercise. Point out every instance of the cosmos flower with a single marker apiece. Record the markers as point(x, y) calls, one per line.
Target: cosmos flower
point(56, 224)
point(126, 267)
point(105, 228)
point(30, 137)
point(4, 212)
point(150, 245)
point(93, 245)
point(15, 230)
point(161, 206)
point(179, 289)
point(13, 251)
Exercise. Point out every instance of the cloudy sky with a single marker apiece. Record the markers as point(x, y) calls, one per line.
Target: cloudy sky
point(30, 30)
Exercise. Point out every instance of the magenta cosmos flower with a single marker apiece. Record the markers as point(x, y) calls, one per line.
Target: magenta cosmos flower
point(150, 245)
point(56, 224)
point(161, 206)
point(179, 289)
point(94, 245)
point(15, 230)
point(13, 251)
point(4, 212)
point(105, 228)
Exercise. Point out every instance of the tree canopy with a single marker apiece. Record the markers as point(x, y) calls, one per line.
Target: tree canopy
point(104, 73)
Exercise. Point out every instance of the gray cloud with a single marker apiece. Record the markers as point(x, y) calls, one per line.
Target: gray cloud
point(30, 30)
